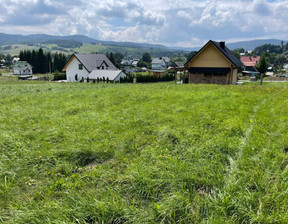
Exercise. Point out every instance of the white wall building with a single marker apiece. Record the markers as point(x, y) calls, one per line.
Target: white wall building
point(112, 76)
point(80, 66)
point(22, 68)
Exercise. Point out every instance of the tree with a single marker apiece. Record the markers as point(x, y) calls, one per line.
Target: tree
point(56, 62)
point(21, 56)
point(34, 61)
point(286, 47)
point(146, 58)
point(62, 61)
point(111, 58)
point(48, 63)
point(191, 55)
point(118, 59)
point(268, 48)
point(41, 61)
point(263, 63)
point(8, 60)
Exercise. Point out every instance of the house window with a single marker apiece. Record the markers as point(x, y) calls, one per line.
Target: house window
point(102, 67)
point(80, 67)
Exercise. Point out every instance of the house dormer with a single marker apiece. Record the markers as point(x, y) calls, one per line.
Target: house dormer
point(103, 66)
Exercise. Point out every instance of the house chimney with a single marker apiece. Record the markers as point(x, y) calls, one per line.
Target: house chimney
point(222, 45)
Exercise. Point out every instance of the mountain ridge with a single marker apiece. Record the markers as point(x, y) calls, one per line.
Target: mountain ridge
point(10, 39)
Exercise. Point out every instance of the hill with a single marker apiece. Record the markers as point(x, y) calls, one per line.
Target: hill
point(10, 39)
point(247, 45)
point(252, 44)
point(132, 153)
point(12, 44)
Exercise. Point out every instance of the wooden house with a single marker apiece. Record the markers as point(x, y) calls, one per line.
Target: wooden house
point(213, 63)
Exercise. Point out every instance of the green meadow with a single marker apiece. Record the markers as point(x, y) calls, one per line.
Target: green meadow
point(143, 153)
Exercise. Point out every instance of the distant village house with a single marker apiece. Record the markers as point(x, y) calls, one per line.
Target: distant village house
point(160, 65)
point(249, 63)
point(130, 63)
point(22, 68)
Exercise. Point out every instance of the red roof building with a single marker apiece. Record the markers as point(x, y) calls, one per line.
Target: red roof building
point(250, 60)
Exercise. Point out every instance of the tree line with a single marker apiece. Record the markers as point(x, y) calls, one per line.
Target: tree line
point(44, 62)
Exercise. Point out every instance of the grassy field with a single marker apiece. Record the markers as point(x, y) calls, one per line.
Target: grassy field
point(143, 153)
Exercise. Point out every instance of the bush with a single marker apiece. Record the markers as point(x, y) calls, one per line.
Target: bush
point(59, 76)
point(152, 78)
point(127, 79)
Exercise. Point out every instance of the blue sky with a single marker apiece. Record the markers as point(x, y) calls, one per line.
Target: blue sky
point(182, 23)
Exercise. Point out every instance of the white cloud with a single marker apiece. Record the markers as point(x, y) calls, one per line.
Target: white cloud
point(168, 22)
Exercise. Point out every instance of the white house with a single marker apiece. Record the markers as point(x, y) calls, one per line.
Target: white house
point(130, 62)
point(22, 68)
point(158, 63)
point(162, 63)
point(113, 76)
point(80, 66)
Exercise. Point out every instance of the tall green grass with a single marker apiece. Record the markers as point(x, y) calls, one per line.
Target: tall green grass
point(143, 153)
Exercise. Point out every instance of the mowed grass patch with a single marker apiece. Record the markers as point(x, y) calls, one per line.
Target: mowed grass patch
point(142, 153)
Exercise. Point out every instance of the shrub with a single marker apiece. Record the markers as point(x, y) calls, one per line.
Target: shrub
point(152, 78)
point(127, 79)
point(59, 76)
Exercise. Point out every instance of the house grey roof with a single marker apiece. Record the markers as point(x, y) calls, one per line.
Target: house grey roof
point(157, 61)
point(110, 74)
point(160, 60)
point(166, 59)
point(236, 61)
point(22, 64)
point(94, 61)
point(224, 50)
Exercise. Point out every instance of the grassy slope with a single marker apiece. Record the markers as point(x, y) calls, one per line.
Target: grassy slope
point(151, 153)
